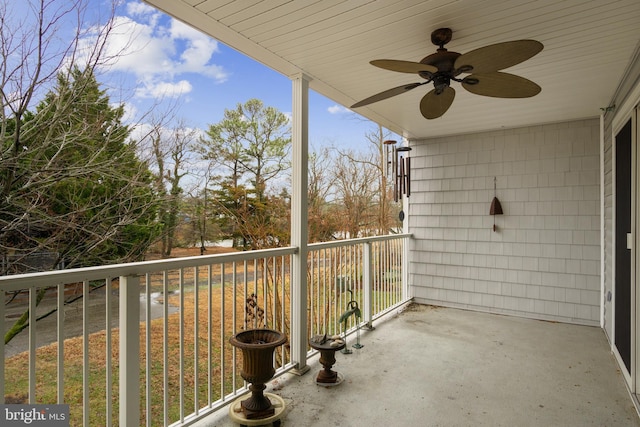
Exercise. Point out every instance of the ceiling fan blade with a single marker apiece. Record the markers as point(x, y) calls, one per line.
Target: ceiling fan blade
point(500, 85)
point(403, 66)
point(497, 56)
point(433, 105)
point(387, 94)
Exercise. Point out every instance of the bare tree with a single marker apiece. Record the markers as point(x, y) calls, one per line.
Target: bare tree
point(170, 148)
point(357, 189)
point(323, 215)
point(384, 221)
point(363, 189)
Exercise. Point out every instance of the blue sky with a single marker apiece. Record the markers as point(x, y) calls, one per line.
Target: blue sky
point(163, 62)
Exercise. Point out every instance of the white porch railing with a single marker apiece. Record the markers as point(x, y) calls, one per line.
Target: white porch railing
point(148, 343)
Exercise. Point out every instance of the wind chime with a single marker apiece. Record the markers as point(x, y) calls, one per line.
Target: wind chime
point(399, 165)
point(496, 207)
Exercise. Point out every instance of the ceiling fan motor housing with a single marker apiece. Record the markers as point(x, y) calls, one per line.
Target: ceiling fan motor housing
point(443, 60)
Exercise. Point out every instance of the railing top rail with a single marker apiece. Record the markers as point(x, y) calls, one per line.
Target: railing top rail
point(54, 277)
point(337, 243)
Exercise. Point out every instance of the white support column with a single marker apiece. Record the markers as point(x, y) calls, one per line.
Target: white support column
point(129, 351)
point(299, 217)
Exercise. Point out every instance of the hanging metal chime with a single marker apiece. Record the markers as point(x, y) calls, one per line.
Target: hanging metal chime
point(496, 207)
point(399, 166)
point(403, 173)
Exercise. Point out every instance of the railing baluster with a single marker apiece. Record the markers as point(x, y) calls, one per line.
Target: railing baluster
point(255, 276)
point(234, 325)
point(389, 277)
point(165, 346)
point(245, 288)
point(334, 264)
point(2, 358)
point(85, 352)
point(344, 285)
point(282, 303)
point(312, 289)
point(60, 339)
point(378, 257)
point(265, 290)
point(108, 352)
point(223, 343)
point(326, 299)
point(361, 272)
point(393, 260)
point(375, 294)
point(210, 334)
point(196, 341)
point(274, 298)
point(405, 271)
point(384, 284)
point(367, 285)
point(398, 266)
point(147, 350)
point(32, 344)
point(182, 343)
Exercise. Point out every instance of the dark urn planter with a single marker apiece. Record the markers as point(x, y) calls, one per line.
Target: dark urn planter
point(257, 347)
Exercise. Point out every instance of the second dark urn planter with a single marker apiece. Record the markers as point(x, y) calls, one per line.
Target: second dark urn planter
point(257, 347)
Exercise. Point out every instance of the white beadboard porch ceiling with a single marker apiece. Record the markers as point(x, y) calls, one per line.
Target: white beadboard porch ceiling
point(588, 46)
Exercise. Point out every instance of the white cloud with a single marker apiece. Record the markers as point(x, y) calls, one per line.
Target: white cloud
point(199, 49)
point(338, 109)
point(130, 112)
point(160, 89)
point(161, 55)
point(137, 8)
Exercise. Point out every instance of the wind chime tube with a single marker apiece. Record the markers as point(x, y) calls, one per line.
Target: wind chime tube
point(394, 161)
point(385, 160)
point(396, 176)
point(402, 187)
point(389, 146)
point(408, 176)
point(404, 171)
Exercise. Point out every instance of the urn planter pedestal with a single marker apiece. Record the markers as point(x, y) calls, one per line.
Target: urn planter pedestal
point(327, 377)
point(257, 347)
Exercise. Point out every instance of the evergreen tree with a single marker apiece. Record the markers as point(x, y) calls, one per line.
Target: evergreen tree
point(250, 149)
point(74, 186)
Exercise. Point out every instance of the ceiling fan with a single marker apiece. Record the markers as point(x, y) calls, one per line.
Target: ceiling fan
point(444, 66)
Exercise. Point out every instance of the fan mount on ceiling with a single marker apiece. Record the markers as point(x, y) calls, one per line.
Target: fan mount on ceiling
point(444, 66)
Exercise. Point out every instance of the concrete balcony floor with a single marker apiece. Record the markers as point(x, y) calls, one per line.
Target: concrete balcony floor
point(431, 366)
